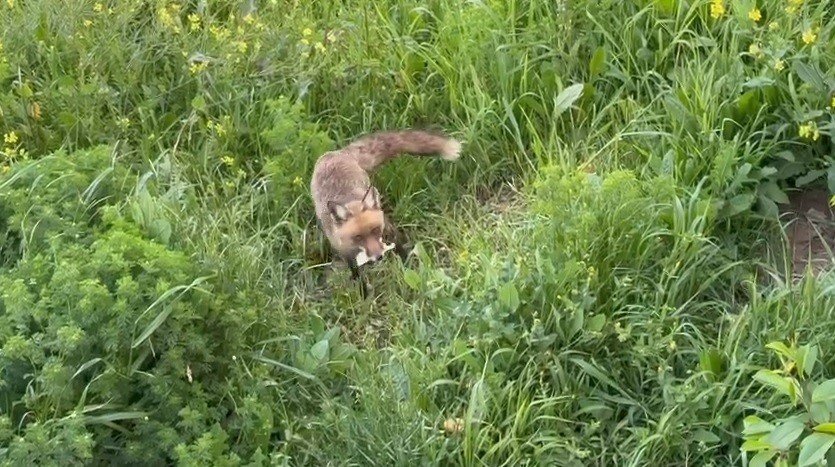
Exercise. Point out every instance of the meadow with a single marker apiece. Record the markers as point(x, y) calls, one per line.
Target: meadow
point(603, 278)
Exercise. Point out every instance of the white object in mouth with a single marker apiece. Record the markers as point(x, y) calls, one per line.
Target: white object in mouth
point(362, 256)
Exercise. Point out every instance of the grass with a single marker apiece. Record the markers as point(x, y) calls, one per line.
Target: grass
point(595, 282)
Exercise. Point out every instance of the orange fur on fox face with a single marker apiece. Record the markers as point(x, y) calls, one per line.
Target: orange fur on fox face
point(360, 226)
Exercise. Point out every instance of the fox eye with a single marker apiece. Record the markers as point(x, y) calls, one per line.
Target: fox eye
point(357, 238)
point(376, 232)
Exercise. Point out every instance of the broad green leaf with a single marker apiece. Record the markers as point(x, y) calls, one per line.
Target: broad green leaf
point(782, 437)
point(762, 458)
point(774, 192)
point(706, 437)
point(740, 203)
point(813, 448)
point(781, 349)
point(810, 177)
point(509, 297)
point(755, 445)
point(758, 82)
point(320, 350)
point(567, 98)
point(665, 6)
point(820, 412)
point(412, 279)
point(755, 425)
point(824, 392)
point(810, 75)
point(598, 62)
point(712, 362)
point(780, 383)
point(807, 359)
point(596, 323)
point(825, 428)
point(199, 103)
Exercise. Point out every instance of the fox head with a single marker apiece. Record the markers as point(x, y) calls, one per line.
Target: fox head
point(359, 224)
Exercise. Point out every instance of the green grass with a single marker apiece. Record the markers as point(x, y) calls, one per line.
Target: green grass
point(595, 281)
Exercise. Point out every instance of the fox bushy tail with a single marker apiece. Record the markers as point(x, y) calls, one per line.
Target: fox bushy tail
point(375, 149)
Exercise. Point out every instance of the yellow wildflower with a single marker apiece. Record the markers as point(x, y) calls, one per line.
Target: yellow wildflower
point(228, 160)
point(220, 33)
point(320, 47)
point(773, 26)
point(194, 21)
point(809, 36)
point(197, 67)
point(755, 15)
point(832, 105)
point(779, 65)
point(304, 41)
point(241, 46)
point(755, 50)
point(809, 131)
point(11, 138)
point(98, 7)
point(307, 32)
point(10, 3)
point(5, 168)
point(297, 181)
point(88, 23)
point(717, 9)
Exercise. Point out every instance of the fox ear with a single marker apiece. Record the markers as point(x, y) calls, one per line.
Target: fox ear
point(339, 212)
point(371, 200)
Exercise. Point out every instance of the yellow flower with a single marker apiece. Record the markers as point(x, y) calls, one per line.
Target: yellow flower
point(307, 32)
point(755, 15)
point(228, 160)
point(809, 131)
point(194, 21)
point(320, 47)
point(241, 46)
point(305, 41)
point(88, 23)
point(10, 3)
point(11, 138)
point(773, 26)
point(779, 65)
point(297, 181)
point(98, 7)
point(5, 168)
point(717, 9)
point(755, 50)
point(832, 105)
point(197, 67)
point(219, 33)
point(809, 36)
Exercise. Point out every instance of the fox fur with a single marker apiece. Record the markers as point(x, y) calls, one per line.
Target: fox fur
point(348, 207)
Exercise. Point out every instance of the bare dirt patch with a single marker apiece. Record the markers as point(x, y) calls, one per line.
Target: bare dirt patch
point(811, 231)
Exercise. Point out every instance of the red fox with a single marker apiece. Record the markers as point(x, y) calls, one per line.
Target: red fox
point(348, 208)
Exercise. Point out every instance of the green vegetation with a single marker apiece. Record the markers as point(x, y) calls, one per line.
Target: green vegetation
point(162, 294)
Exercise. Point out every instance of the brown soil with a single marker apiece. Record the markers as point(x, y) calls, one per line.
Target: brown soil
point(811, 231)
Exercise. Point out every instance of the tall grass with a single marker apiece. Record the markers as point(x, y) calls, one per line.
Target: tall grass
point(593, 283)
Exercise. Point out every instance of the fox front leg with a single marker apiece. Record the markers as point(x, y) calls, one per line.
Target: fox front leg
point(355, 275)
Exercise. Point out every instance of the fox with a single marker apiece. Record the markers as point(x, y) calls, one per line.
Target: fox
point(347, 205)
